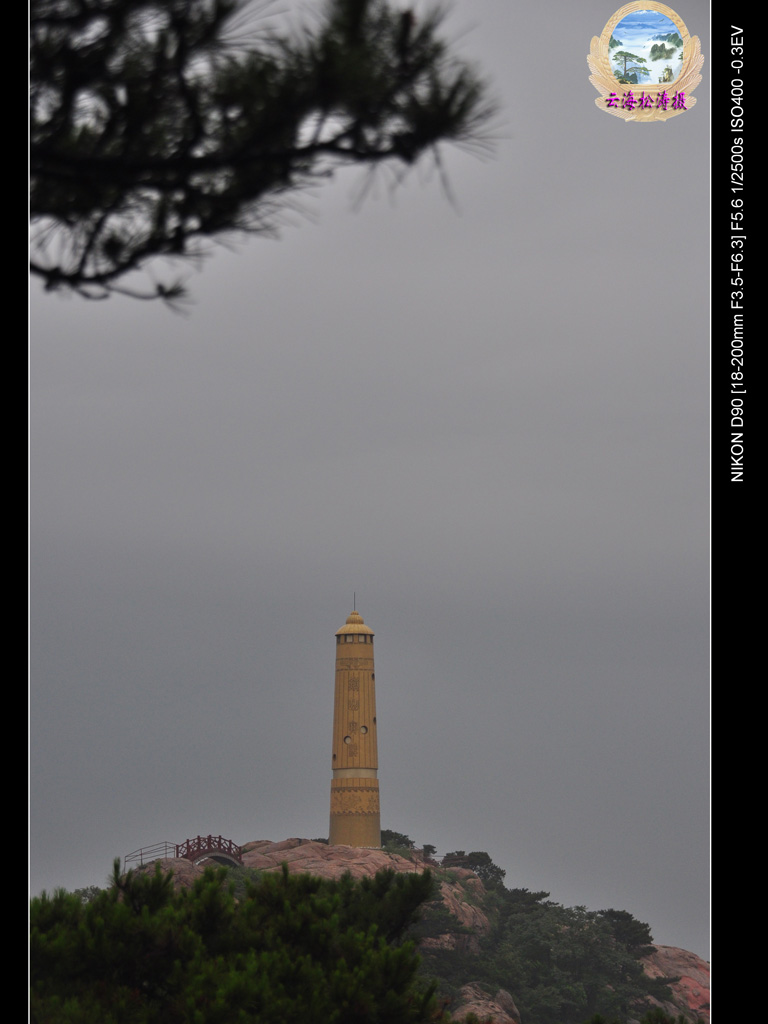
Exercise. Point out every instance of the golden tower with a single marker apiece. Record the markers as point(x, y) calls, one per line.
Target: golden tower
point(355, 787)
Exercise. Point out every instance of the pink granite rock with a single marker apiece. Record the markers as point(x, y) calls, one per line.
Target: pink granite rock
point(309, 857)
point(500, 1009)
point(691, 992)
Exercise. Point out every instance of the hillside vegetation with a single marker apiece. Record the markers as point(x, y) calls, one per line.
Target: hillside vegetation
point(561, 965)
point(306, 932)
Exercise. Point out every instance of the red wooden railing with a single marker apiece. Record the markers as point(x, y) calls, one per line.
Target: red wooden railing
point(191, 849)
point(194, 849)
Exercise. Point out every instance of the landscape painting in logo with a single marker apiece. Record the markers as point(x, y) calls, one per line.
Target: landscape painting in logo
point(646, 48)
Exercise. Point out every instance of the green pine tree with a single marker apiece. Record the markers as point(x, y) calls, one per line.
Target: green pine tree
point(295, 949)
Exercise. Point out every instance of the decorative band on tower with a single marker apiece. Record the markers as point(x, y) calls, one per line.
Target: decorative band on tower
point(355, 819)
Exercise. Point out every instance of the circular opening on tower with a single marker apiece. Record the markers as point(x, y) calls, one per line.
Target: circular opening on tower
point(363, 729)
point(347, 739)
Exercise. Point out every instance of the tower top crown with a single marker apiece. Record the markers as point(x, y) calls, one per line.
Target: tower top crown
point(355, 624)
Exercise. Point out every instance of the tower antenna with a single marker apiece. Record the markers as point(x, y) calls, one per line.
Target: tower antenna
point(354, 601)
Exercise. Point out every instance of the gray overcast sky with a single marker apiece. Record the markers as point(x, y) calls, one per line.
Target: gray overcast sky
point(490, 420)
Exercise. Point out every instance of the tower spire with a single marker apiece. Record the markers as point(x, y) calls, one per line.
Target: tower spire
point(355, 817)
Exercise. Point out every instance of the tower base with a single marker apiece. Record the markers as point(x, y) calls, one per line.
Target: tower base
point(355, 816)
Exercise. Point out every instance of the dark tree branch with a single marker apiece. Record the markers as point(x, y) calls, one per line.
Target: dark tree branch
point(153, 129)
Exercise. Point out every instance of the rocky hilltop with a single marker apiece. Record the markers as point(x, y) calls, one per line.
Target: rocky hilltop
point(691, 991)
point(463, 916)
